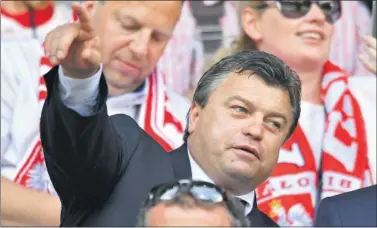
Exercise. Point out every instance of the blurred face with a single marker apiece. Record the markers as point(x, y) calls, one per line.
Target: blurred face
point(165, 216)
point(236, 137)
point(133, 36)
point(300, 42)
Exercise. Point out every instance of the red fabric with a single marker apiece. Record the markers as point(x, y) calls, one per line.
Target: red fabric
point(156, 105)
point(41, 16)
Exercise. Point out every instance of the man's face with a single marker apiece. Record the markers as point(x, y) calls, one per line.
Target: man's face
point(133, 36)
point(237, 136)
point(170, 215)
point(290, 39)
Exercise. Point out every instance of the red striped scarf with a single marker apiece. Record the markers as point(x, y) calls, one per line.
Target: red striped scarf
point(158, 119)
point(289, 196)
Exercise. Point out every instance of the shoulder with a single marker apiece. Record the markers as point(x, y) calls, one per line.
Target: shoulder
point(20, 60)
point(348, 208)
point(24, 45)
point(127, 128)
point(349, 198)
point(16, 51)
point(326, 214)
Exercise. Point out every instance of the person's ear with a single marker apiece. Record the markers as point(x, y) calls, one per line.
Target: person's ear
point(194, 117)
point(250, 24)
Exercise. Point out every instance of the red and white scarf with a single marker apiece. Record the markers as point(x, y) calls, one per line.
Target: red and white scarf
point(19, 25)
point(290, 195)
point(156, 114)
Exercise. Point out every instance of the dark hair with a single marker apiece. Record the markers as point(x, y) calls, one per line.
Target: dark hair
point(269, 68)
point(234, 207)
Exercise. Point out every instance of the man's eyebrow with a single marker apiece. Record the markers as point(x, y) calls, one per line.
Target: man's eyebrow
point(124, 17)
point(250, 104)
point(165, 32)
point(237, 97)
point(278, 115)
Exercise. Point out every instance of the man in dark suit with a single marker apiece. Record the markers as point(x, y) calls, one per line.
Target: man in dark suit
point(102, 167)
point(355, 208)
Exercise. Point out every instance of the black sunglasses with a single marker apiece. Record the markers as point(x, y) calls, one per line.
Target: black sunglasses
point(198, 190)
point(299, 8)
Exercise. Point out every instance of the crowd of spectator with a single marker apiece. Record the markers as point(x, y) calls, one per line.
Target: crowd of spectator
point(157, 58)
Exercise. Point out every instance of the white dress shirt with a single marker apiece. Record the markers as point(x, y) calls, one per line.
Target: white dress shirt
point(200, 175)
point(79, 94)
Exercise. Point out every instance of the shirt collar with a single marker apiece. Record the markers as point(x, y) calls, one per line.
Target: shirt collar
point(199, 174)
point(129, 99)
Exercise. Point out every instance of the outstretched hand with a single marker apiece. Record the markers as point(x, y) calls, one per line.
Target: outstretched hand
point(75, 46)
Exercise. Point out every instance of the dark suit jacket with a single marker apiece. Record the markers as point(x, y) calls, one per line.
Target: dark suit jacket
point(103, 167)
point(356, 208)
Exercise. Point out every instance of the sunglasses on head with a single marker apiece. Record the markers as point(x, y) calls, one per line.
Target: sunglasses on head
point(198, 190)
point(298, 8)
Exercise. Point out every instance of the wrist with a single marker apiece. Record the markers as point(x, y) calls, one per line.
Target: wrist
point(79, 74)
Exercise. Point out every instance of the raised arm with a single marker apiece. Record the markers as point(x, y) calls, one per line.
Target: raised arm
point(85, 152)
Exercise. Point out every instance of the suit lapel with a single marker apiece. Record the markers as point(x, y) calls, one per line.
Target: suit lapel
point(181, 163)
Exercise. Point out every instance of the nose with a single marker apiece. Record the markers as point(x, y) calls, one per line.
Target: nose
point(315, 14)
point(139, 45)
point(254, 127)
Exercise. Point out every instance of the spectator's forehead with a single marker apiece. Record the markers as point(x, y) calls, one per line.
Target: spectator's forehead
point(155, 14)
point(177, 216)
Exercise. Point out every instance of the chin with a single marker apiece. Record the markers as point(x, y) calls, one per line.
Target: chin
point(312, 58)
point(241, 173)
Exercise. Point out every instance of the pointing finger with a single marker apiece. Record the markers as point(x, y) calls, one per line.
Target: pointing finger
point(84, 18)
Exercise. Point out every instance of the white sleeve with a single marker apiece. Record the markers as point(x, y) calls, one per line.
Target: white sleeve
point(19, 79)
point(9, 88)
point(79, 94)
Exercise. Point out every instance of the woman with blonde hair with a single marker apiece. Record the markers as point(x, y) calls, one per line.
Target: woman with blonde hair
point(333, 149)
